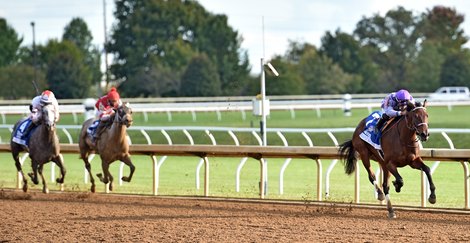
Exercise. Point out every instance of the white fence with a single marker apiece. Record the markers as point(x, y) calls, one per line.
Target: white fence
point(232, 132)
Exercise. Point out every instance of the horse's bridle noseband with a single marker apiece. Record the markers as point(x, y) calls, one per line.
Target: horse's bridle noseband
point(415, 127)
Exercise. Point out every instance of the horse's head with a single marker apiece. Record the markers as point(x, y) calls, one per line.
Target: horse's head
point(48, 116)
point(417, 119)
point(124, 115)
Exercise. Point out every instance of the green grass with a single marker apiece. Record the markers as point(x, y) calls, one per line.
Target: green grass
point(177, 174)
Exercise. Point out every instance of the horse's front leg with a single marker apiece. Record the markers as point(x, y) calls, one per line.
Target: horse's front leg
point(419, 164)
point(386, 187)
point(398, 182)
point(20, 170)
point(59, 161)
point(34, 175)
point(128, 162)
point(44, 186)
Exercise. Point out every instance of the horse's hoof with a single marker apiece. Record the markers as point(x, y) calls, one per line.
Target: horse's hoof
point(126, 179)
point(392, 215)
point(397, 186)
point(45, 190)
point(25, 188)
point(93, 188)
point(432, 199)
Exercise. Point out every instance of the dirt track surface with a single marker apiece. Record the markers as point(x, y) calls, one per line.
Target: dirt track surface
point(85, 217)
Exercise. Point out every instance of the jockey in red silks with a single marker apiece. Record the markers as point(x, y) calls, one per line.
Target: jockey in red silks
point(105, 108)
point(393, 105)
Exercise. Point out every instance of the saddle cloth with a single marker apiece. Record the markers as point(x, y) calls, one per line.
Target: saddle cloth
point(22, 134)
point(92, 128)
point(369, 135)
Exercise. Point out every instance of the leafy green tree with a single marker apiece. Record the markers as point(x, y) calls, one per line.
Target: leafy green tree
point(425, 72)
point(322, 76)
point(16, 82)
point(9, 43)
point(66, 75)
point(456, 70)
point(78, 33)
point(394, 38)
point(442, 26)
point(289, 82)
point(152, 35)
point(200, 78)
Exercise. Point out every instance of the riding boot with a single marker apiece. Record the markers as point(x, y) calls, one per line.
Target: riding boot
point(379, 125)
point(98, 131)
point(29, 129)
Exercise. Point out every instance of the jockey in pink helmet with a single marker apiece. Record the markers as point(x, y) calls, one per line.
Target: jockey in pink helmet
point(393, 105)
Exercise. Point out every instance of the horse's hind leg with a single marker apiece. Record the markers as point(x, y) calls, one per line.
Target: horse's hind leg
point(372, 177)
point(386, 187)
point(106, 176)
point(128, 162)
point(398, 182)
point(88, 168)
point(420, 165)
point(44, 185)
point(20, 170)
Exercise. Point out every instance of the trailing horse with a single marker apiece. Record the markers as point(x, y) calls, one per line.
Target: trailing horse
point(111, 145)
point(400, 148)
point(43, 147)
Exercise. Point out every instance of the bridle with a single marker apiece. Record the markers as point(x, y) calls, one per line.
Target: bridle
point(414, 127)
point(121, 112)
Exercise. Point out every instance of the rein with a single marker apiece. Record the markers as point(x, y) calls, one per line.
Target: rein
point(415, 127)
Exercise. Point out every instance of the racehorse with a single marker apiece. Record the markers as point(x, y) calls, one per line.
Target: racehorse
point(43, 147)
point(400, 147)
point(111, 145)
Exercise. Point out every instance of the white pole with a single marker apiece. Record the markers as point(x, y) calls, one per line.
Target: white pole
point(263, 104)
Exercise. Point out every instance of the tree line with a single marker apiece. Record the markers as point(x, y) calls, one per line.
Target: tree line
point(177, 48)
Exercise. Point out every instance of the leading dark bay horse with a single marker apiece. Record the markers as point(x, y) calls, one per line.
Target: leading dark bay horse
point(400, 147)
point(111, 145)
point(43, 147)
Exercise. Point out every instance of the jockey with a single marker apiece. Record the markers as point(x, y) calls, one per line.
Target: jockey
point(46, 97)
point(105, 107)
point(393, 105)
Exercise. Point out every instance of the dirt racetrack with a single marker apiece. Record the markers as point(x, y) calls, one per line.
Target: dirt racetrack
point(85, 217)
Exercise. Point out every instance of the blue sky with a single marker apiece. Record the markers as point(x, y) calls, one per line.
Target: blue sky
point(300, 20)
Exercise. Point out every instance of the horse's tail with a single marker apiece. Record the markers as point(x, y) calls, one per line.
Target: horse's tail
point(347, 153)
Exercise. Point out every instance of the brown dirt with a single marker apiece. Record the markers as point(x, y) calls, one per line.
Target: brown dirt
point(85, 217)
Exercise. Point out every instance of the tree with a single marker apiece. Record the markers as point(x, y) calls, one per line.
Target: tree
point(425, 72)
point(66, 75)
point(77, 32)
point(456, 70)
point(200, 78)
point(392, 40)
point(152, 35)
point(9, 43)
point(289, 82)
point(15, 81)
point(322, 76)
point(442, 26)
